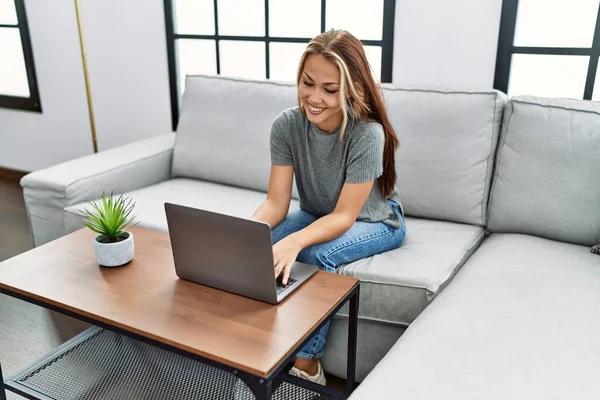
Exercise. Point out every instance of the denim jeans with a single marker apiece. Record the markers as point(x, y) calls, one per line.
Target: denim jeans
point(363, 240)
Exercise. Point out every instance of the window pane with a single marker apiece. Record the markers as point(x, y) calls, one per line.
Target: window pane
point(543, 23)
point(548, 75)
point(373, 54)
point(13, 73)
point(243, 59)
point(8, 14)
point(364, 22)
point(195, 56)
point(284, 59)
point(293, 18)
point(241, 18)
point(194, 17)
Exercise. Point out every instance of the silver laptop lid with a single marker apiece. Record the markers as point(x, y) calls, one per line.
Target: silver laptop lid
point(225, 252)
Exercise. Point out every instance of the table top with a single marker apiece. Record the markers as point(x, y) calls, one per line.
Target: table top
point(145, 297)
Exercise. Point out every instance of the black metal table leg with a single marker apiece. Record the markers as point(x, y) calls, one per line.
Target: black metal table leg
point(261, 388)
point(2, 389)
point(352, 336)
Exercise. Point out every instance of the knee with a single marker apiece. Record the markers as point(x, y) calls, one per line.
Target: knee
point(294, 221)
point(317, 255)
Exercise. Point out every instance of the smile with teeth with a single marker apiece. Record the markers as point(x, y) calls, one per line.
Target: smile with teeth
point(315, 110)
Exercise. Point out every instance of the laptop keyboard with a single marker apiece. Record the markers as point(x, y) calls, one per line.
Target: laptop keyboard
point(280, 287)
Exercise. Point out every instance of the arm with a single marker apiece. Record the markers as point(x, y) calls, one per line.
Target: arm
point(276, 206)
point(48, 191)
point(351, 200)
point(279, 193)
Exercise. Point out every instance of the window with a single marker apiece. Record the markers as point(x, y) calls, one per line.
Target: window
point(264, 39)
point(18, 85)
point(549, 48)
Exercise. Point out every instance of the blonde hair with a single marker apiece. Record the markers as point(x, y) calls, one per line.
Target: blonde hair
point(323, 45)
point(360, 95)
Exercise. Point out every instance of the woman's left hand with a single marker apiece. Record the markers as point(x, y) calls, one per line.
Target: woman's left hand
point(284, 255)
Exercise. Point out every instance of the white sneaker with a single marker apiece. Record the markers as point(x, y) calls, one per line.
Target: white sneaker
point(318, 378)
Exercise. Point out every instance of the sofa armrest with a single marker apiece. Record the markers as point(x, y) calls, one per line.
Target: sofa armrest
point(48, 191)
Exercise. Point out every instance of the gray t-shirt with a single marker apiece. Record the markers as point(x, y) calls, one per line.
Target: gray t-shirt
point(322, 164)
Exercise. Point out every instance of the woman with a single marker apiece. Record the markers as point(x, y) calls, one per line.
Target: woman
point(340, 144)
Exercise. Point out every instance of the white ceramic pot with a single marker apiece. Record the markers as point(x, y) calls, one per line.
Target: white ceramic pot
point(114, 254)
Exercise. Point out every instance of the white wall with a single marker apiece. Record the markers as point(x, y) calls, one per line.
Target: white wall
point(31, 140)
point(446, 44)
point(127, 61)
point(128, 67)
point(438, 43)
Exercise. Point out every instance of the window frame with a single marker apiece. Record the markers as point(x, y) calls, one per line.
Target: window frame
point(506, 49)
point(31, 103)
point(386, 43)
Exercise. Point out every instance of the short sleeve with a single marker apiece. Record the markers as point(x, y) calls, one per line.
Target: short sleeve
point(281, 152)
point(365, 155)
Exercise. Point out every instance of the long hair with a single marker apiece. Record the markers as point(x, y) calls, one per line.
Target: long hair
point(360, 94)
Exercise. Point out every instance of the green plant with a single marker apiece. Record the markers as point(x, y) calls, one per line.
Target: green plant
point(110, 217)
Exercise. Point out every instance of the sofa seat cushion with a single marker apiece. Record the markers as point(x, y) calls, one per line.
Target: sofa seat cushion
point(519, 321)
point(149, 201)
point(396, 286)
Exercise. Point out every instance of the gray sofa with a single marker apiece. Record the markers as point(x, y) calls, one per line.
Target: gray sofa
point(545, 185)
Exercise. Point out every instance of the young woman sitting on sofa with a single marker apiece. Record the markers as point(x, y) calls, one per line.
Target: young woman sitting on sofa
point(340, 144)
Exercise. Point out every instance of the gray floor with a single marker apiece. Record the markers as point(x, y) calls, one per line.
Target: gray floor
point(27, 332)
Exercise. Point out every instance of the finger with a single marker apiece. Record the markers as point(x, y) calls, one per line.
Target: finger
point(278, 269)
point(286, 274)
point(276, 262)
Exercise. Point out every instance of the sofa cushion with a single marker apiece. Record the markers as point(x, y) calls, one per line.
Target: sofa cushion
point(397, 285)
point(447, 146)
point(224, 129)
point(547, 180)
point(519, 321)
point(149, 201)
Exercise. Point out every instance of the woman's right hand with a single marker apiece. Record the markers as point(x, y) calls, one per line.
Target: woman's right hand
point(285, 253)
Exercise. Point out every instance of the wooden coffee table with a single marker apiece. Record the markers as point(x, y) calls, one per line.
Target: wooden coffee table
point(147, 302)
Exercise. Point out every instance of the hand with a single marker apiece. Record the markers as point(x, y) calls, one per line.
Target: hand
point(284, 255)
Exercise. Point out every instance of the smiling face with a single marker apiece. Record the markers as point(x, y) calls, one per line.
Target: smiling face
point(318, 90)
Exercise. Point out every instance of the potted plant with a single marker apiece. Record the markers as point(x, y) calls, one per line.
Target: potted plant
point(111, 218)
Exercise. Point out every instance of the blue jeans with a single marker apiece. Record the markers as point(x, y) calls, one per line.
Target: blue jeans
point(363, 240)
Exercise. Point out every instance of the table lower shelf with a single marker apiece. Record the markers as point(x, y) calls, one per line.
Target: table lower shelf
point(101, 364)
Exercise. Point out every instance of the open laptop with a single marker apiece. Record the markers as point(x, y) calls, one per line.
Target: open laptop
point(229, 253)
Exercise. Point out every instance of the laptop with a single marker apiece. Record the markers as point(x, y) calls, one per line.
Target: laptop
point(229, 253)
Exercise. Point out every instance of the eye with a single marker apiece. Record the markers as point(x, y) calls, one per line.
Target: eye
point(308, 84)
point(331, 91)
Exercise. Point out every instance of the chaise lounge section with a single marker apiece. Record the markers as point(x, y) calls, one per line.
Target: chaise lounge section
point(521, 318)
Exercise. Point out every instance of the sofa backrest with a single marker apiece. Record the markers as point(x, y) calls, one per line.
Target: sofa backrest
point(224, 129)
point(447, 146)
point(547, 179)
point(444, 164)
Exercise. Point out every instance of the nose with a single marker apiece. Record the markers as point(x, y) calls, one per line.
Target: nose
point(315, 97)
